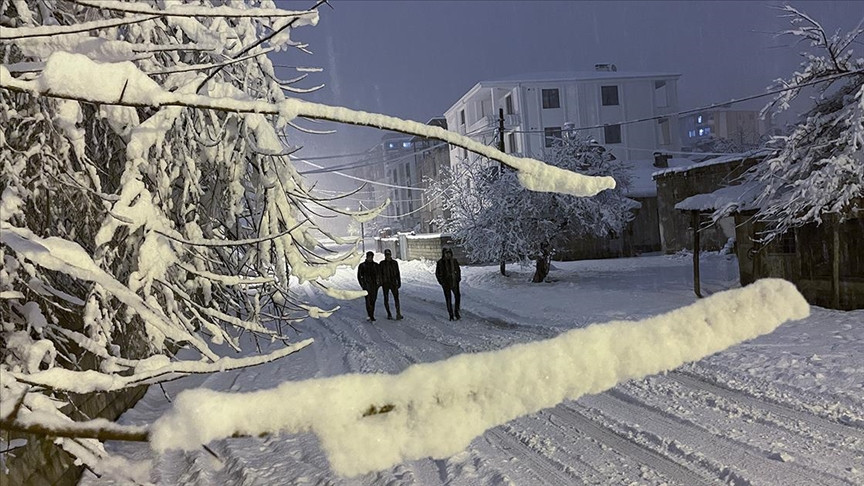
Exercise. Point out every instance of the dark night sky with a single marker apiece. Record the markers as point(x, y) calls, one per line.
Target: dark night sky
point(414, 59)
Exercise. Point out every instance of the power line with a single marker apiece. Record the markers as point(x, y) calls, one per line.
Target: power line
point(706, 108)
point(367, 163)
point(360, 179)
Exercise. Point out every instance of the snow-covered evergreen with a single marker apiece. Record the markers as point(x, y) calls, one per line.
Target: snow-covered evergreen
point(497, 219)
point(817, 173)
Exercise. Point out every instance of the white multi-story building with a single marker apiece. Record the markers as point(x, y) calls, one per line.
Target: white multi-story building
point(539, 107)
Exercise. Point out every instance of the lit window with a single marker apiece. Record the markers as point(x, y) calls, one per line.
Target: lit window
point(701, 132)
point(406, 144)
point(699, 119)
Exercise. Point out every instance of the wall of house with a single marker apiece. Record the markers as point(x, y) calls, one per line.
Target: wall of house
point(804, 258)
point(675, 186)
point(644, 230)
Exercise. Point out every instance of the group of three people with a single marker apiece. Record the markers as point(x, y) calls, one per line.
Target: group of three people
point(371, 275)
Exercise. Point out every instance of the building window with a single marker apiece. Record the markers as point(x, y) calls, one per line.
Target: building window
point(406, 145)
point(508, 104)
point(612, 134)
point(462, 117)
point(551, 135)
point(699, 119)
point(663, 133)
point(691, 133)
point(661, 97)
point(511, 141)
point(550, 98)
point(609, 95)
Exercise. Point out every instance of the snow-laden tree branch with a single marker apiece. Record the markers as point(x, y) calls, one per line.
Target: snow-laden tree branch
point(124, 85)
point(817, 171)
point(422, 415)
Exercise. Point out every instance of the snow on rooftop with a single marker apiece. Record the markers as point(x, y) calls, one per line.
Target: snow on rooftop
point(723, 201)
point(578, 76)
point(723, 159)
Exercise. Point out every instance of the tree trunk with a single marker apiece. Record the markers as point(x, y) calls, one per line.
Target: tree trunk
point(541, 269)
point(503, 263)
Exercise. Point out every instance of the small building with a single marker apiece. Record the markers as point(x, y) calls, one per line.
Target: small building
point(824, 261)
point(676, 184)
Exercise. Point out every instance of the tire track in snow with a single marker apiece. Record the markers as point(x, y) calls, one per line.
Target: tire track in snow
point(693, 381)
point(625, 446)
point(712, 451)
point(545, 467)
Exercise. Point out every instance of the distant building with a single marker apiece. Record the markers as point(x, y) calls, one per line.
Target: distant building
point(742, 127)
point(539, 107)
point(392, 163)
point(432, 160)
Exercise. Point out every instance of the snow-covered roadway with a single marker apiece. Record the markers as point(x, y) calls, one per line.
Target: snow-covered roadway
point(784, 409)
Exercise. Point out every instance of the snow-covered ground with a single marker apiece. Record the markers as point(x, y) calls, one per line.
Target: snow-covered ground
point(784, 409)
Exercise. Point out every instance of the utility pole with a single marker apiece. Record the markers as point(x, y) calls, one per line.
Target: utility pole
point(502, 263)
point(501, 136)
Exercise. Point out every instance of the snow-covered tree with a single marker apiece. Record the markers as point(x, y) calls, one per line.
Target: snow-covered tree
point(497, 219)
point(817, 172)
point(149, 204)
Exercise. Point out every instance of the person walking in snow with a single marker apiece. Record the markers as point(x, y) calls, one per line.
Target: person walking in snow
point(390, 283)
point(449, 275)
point(369, 278)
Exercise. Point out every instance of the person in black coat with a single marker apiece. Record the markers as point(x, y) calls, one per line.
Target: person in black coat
point(390, 283)
point(449, 275)
point(369, 279)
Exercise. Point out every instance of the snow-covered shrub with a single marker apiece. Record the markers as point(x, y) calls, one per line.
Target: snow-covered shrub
point(496, 219)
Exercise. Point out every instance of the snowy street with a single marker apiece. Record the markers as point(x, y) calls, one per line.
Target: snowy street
point(784, 409)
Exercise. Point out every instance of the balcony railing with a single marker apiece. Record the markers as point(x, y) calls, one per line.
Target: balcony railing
point(491, 122)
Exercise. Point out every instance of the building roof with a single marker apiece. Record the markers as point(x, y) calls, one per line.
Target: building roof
point(723, 159)
point(724, 201)
point(576, 76)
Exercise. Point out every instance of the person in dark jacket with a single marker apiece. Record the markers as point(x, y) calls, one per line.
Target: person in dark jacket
point(369, 279)
point(449, 275)
point(390, 283)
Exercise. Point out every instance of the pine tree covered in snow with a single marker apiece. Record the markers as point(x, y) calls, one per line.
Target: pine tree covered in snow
point(817, 172)
point(497, 219)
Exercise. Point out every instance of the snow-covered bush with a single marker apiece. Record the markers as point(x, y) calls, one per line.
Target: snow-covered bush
point(817, 173)
point(497, 219)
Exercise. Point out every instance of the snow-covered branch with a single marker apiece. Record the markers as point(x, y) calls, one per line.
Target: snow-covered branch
point(124, 85)
point(10, 34)
point(222, 11)
point(426, 416)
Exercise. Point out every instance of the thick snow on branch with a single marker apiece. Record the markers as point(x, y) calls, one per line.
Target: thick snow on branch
point(146, 372)
point(307, 17)
point(371, 422)
point(77, 77)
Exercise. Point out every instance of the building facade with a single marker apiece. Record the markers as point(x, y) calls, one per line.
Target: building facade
point(432, 160)
point(744, 128)
point(539, 108)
